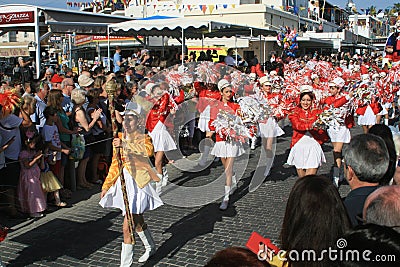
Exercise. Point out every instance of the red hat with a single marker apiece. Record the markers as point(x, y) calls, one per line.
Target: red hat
point(56, 78)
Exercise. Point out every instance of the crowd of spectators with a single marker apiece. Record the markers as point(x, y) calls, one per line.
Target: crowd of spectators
point(61, 104)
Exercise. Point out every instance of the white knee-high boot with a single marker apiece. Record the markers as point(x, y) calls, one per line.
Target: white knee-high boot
point(164, 176)
point(126, 255)
point(225, 201)
point(148, 243)
point(234, 184)
point(159, 184)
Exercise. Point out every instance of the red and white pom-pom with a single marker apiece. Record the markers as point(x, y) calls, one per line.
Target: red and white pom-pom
point(231, 127)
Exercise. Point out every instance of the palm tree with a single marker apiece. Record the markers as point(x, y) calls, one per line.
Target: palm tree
point(372, 11)
point(396, 7)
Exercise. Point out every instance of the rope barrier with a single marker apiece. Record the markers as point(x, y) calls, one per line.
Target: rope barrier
point(49, 154)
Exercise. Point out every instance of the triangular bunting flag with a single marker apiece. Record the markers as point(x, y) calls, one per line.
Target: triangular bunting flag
point(204, 9)
point(225, 6)
point(177, 7)
point(211, 8)
point(233, 6)
point(188, 7)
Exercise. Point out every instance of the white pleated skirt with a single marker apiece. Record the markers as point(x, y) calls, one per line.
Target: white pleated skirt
point(140, 199)
point(270, 129)
point(385, 107)
point(306, 153)
point(224, 149)
point(369, 117)
point(162, 140)
point(204, 120)
point(340, 134)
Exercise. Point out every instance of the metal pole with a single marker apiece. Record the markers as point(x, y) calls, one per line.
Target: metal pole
point(108, 48)
point(183, 46)
point(70, 50)
point(265, 52)
point(236, 63)
point(37, 39)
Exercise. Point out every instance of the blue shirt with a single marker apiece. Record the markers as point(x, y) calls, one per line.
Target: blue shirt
point(116, 59)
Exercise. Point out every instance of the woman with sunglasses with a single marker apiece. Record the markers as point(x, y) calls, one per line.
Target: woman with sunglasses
point(306, 153)
point(338, 134)
point(225, 148)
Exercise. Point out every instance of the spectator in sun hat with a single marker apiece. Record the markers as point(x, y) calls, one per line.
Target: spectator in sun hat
point(139, 73)
point(85, 82)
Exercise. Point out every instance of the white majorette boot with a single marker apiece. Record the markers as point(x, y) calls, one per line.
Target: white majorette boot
point(234, 184)
point(159, 184)
point(126, 255)
point(164, 176)
point(225, 201)
point(253, 143)
point(148, 243)
point(336, 176)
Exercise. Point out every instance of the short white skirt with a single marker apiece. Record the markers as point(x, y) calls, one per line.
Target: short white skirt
point(306, 153)
point(140, 199)
point(369, 118)
point(385, 107)
point(340, 134)
point(225, 149)
point(270, 129)
point(204, 119)
point(162, 140)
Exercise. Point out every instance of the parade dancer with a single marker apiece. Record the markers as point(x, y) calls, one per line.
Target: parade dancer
point(135, 150)
point(163, 105)
point(224, 147)
point(207, 95)
point(270, 128)
point(339, 134)
point(306, 153)
point(367, 112)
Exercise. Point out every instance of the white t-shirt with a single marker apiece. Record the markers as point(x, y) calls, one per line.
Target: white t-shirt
point(50, 134)
point(9, 127)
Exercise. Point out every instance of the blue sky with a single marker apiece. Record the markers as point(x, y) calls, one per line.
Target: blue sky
point(62, 3)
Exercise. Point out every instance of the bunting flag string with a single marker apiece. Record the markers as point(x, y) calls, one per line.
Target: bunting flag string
point(105, 3)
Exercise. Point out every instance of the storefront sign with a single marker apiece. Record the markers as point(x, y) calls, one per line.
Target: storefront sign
point(14, 52)
point(17, 17)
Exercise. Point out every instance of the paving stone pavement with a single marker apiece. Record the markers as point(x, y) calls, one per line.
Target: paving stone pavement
point(87, 235)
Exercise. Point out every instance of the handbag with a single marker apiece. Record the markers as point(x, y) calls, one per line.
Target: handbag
point(77, 147)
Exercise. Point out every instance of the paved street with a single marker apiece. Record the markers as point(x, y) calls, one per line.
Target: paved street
point(88, 235)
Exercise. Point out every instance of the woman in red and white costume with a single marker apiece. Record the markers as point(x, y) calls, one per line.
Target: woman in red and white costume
point(269, 129)
point(207, 96)
point(163, 105)
point(306, 153)
point(224, 148)
point(367, 113)
point(338, 134)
